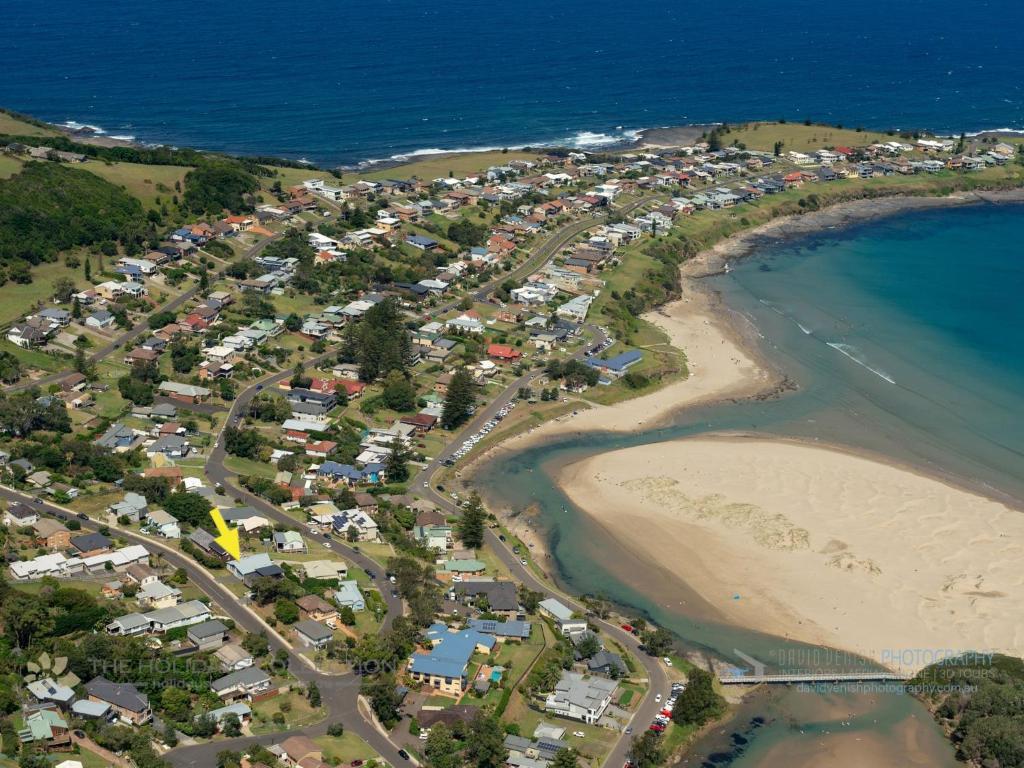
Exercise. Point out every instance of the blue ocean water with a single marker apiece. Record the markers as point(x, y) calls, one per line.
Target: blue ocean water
point(338, 81)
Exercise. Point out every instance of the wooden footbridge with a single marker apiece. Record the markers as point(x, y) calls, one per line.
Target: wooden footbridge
point(867, 676)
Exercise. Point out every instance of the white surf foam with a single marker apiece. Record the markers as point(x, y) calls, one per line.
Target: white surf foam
point(857, 356)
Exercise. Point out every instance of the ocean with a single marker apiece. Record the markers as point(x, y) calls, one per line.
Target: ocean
point(336, 81)
point(903, 337)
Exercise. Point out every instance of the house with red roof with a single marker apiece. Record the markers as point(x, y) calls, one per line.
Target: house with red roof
point(503, 352)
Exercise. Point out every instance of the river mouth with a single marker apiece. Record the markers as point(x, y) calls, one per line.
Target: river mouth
point(900, 349)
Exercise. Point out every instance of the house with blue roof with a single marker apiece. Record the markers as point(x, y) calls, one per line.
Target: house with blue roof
point(618, 365)
point(421, 242)
point(443, 667)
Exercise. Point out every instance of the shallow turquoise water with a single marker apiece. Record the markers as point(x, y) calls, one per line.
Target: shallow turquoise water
point(904, 336)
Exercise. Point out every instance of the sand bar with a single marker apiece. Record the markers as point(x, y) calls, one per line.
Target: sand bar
point(818, 544)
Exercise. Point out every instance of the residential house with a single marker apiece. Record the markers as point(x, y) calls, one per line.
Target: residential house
point(619, 364)
point(289, 541)
point(502, 630)
point(253, 567)
point(156, 595)
point(242, 684)
point(124, 699)
point(208, 635)
point(315, 608)
point(563, 616)
point(347, 595)
point(232, 657)
point(133, 506)
point(580, 697)
point(89, 544)
point(443, 668)
point(312, 634)
point(163, 524)
point(186, 393)
point(498, 597)
point(19, 515)
point(46, 728)
point(51, 534)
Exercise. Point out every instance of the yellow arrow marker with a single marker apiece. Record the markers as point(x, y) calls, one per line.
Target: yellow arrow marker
point(228, 536)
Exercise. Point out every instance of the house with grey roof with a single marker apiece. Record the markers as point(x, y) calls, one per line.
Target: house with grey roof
point(244, 683)
point(502, 630)
point(580, 697)
point(209, 634)
point(563, 616)
point(171, 446)
point(133, 506)
point(117, 438)
point(124, 699)
point(312, 634)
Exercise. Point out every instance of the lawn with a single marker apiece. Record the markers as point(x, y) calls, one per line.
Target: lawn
point(12, 125)
point(458, 164)
point(19, 298)
point(300, 715)
point(33, 358)
point(242, 466)
point(9, 166)
point(802, 138)
point(146, 182)
point(345, 748)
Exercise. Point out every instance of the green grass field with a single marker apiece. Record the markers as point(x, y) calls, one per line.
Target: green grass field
point(436, 166)
point(20, 298)
point(9, 166)
point(10, 124)
point(801, 138)
point(146, 182)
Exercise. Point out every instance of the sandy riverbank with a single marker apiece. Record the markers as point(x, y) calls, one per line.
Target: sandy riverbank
point(863, 555)
point(816, 544)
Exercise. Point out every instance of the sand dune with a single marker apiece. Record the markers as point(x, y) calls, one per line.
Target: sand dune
point(817, 544)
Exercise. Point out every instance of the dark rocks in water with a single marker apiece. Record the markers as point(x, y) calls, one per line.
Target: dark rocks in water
point(738, 739)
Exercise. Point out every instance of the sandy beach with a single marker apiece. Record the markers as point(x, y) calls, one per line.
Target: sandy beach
point(817, 544)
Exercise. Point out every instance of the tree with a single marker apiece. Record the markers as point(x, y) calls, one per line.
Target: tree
point(458, 403)
point(190, 508)
point(565, 758)
point(588, 646)
point(485, 745)
point(379, 343)
point(698, 703)
point(658, 642)
point(646, 751)
point(313, 694)
point(347, 616)
point(63, 288)
point(286, 611)
point(231, 726)
point(219, 185)
point(384, 699)
point(293, 322)
point(25, 617)
point(136, 391)
point(441, 749)
point(396, 465)
point(399, 393)
point(471, 526)
point(176, 704)
point(10, 368)
point(256, 644)
point(170, 737)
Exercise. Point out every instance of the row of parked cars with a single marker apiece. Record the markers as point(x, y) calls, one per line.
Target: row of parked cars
point(476, 437)
point(662, 719)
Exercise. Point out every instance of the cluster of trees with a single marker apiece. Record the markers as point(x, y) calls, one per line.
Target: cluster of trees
point(466, 233)
point(244, 443)
point(48, 208)
point(74, 457)
point(576, 374)
point(415, 583)
point(979, 701)
point(10, 368)
point(269, 407)
point(216, 186)
point(21, 415)
point(699, 703)
point(379, 343)
point(480, 743)
point(460, 400)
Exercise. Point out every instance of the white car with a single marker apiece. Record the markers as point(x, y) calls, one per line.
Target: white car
point(579, 734)
point(657, 697)
point(668, 661)
point(522, 561)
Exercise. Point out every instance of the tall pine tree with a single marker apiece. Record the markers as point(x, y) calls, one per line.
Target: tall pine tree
point(458, 403)
point(471, 526)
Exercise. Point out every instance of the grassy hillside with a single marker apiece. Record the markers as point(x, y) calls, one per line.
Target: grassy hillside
point(49, 208)
point(436, 166)
point(13, 124)
point(799, 137)
point(146, 182)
